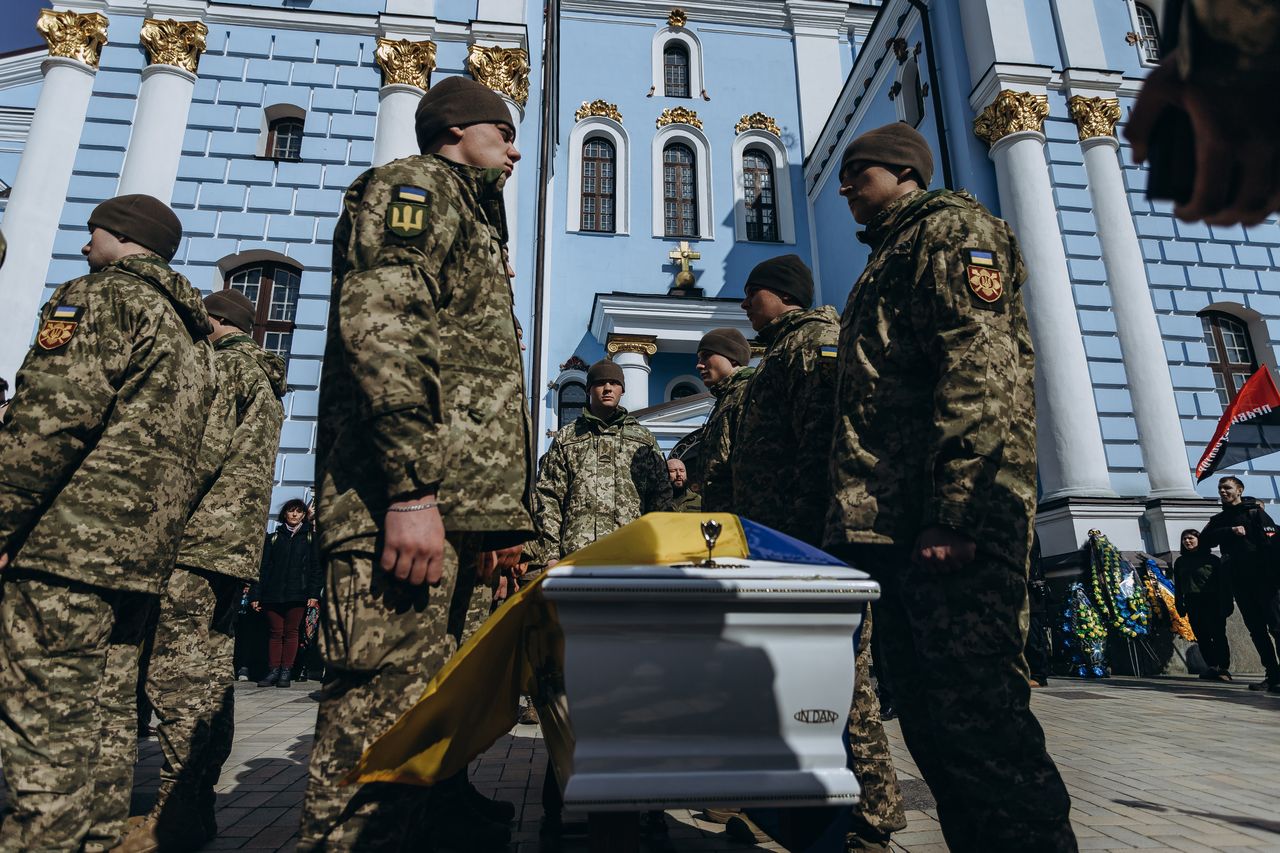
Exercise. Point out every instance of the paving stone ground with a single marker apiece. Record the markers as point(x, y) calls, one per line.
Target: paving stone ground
point(1153, 764)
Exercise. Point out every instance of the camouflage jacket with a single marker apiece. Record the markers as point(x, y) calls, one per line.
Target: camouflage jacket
point(98, 454)
point(686, 500)
point(717, 434)
point(936, 403)
point(237, 461)
point(781, 446)
point(1226, 42)
point(595, 478)
point(422, 385)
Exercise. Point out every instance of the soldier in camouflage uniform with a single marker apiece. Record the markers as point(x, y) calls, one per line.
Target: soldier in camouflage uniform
point(422, 456)
point(684, 497)
point(97, 479)
point(190, 678)
point(783, 435)
point(602, 471)
point(934, 476)
point(723, 356)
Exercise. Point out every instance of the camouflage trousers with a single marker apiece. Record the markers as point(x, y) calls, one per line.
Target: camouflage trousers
point(468, 614)
point(383, 640)
point(190, 683)
point(881, 811)
point(68, 709)
point(953, 647)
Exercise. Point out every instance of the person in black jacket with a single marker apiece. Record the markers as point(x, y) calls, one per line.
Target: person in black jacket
point(288, 584)
point(1246, 536)
point(1202, 593)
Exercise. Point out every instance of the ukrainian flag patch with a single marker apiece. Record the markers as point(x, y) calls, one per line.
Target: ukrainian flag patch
point(981, 258)
point(67, 312)
point(827, 352)
point(413, 194)
point(407, 212)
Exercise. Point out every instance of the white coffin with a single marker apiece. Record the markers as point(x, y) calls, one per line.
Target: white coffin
point(702, 686)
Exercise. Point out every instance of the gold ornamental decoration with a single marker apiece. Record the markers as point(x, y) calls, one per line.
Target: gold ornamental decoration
point(505, 70)
point(646, 345)
point(678, 17)
point(74, 36)
point(679, 115)
point(406, 63)
point(758, 121)
point(176, 43)
point(598, 107)
point(1094, 116)
point(1011, 112)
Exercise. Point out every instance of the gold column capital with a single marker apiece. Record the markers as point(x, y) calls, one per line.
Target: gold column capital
point(177, 43)
point(71, 35)
point(1094, 117)
point(646, 345)
point(406, 63)
point(505, 70)
point(1011, 112)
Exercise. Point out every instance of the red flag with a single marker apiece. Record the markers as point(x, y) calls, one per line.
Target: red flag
point(1250, 427)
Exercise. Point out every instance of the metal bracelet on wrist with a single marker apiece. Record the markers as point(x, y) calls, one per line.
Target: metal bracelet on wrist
point(412, 507)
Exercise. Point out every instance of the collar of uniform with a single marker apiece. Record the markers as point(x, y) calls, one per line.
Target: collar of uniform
point(600, 424)
point(883, 223)
point(742, 374)
point(227, 340)
point(779, 326)
point(485, 183)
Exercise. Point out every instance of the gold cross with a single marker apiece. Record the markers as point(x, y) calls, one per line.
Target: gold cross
point(683, 255)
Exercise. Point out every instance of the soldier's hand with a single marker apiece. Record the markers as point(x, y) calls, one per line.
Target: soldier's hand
point(1238, 530)
point(943, 548)
point(492, 562)
point(413, 543)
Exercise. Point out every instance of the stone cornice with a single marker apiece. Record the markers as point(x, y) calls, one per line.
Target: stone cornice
point(676, 322)
point(817, 14)
point(22, 68)
point(760, 13)
point(1007, 76)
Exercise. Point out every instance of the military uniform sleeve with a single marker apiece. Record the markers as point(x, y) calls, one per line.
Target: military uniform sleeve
point(660, 497)
point(553, 485)
point(971, 341)
point(389, 330)
point(63, 395)
point(1226, 41)
point(813, 409)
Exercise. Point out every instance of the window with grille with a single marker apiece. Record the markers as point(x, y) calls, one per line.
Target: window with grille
point(684, 389)
point(1148, 33)
point(272, 287)
point(599, 176)
point(758, 190)
point(675, 70)
point(284, 139)
point(679, 191)
point(1231, 355)
point(572, 400)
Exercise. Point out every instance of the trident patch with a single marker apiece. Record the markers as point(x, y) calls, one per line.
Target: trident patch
point(407, 213)
point(56, 331)
point(985, 283)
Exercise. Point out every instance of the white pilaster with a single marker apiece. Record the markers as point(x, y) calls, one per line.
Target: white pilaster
point(504, 11)
point(159, 123)
point(1155, 409)
point(635, 372)
point(1069, 439)
point(35, 205)
point(817, 28)
point(393, 135)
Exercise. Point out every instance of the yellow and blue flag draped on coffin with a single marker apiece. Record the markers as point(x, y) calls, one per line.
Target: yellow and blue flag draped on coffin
point(473, 699)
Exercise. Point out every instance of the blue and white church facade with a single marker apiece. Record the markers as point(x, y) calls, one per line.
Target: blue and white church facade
point(666, 152)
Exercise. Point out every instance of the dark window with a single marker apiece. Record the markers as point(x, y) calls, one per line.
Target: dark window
point(284, 139)
point(572, 400)
point(273, 289)
point(758, 189)
point(599, 175)
point(912, 94)
point(683, 389)
point(679, 191)
point(1148, 34)
point(675, 70)
point(1231, 355)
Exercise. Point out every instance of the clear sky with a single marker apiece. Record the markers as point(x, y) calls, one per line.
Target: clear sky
point(18, 24)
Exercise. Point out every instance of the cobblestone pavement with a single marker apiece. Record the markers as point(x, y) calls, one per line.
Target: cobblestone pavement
point(1156, 764)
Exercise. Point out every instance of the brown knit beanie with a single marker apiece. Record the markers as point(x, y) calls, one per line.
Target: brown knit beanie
point(233, 307)
point(603, 370)
point(729, 343)
point(457, 102)
point(143, 219)
point(897, 144)
point(785, 274)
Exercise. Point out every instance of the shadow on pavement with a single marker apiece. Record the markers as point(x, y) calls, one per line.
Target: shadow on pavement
point(1237, 692)
point(1264, 824)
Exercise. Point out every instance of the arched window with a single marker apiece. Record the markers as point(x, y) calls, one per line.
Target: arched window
point(684, 389)
point(284, 139)
point(679, 191)
point(759, 194)
point(675, 70)
point(571, 400)
point(1231, 355)
point(599, 185)
point(1148, 33)
point(273, 289)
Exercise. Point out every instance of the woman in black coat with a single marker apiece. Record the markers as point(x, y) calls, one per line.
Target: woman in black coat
point(288, 583)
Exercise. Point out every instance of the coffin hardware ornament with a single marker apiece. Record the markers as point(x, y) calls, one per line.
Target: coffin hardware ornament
point(710, 533)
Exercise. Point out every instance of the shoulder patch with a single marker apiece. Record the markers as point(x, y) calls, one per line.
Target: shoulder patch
point(407, 212)
point(827, 351)
point(59, 327)
point(980, 258)
point(985, 283)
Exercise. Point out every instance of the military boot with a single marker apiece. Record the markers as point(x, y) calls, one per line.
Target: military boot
point(283, 680)
point(271, 678)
